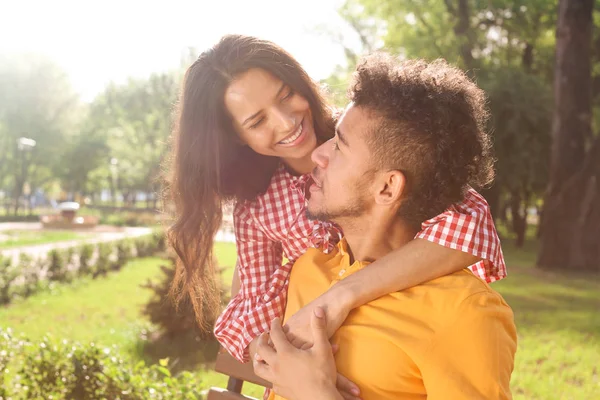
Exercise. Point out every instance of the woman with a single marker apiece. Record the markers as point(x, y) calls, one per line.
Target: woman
point(248, 120)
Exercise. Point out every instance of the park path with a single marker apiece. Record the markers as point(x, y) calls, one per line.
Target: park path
point(99, 234)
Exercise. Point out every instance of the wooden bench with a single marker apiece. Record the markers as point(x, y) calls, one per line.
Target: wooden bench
point(238, 374)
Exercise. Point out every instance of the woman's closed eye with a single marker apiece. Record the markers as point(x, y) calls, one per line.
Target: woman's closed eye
point(289, 95)
point(257, 123)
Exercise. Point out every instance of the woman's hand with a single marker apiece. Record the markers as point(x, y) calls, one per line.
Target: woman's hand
point(336, 305)
point(300, 374)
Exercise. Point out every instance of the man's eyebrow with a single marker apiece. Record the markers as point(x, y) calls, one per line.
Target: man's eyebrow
point(341, 136)
point(283, 86)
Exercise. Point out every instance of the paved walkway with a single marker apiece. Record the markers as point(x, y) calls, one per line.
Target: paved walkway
point(101, 233)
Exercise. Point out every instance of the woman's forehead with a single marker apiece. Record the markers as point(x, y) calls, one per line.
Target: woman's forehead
point(251, 91)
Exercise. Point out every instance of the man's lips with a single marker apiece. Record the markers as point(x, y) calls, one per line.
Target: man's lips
point(315, 180)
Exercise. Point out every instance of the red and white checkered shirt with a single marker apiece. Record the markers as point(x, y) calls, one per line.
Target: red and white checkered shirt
point(275, 225)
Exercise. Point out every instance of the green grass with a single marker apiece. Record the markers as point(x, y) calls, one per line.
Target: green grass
point(107, 311)
point(557, 316)
point(558, 321)
point(15, 238)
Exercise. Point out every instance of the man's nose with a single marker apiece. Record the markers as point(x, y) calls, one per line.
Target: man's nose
point(320, 155)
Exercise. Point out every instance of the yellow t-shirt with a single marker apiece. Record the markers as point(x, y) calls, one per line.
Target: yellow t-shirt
point(450, 338)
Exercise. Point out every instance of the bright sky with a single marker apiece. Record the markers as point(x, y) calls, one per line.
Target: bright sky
point(101, 41)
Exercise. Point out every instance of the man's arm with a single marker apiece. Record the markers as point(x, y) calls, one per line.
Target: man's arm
point(473, 358)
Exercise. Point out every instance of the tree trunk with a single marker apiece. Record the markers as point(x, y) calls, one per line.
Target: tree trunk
point(527, 57)
point(519, 218)
point(463, 31)
point(570, 235)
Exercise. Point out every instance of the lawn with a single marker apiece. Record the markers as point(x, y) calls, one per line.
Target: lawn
point(558, 321)
point(16, 238)
point(557, 317)
point(106, 311)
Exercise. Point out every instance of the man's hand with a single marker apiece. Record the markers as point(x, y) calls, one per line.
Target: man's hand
point(299, 374)
point(298, 329)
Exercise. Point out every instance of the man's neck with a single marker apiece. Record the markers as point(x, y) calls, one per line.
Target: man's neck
point(373, 236)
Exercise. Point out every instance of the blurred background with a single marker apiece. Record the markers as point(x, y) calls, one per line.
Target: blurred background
point(87, 91)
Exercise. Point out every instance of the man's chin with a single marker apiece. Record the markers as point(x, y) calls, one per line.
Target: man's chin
point(316, 215)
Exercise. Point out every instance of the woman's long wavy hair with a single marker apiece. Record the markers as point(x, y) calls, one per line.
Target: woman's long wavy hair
point(208, 165)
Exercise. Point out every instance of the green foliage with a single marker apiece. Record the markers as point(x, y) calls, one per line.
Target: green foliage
point(133, 121)
point(95, 260)
point(64, 370)
point(31, 275)
point(172, 320)
point(161, 311)
point(124, 253)
point(520, 104)
point(58, 265)
point(19, 218)
point(144, 246)
point(86, 252)
point(129, 219)
point(507, 46)
point(8, 274)
point(103, 262)
point(37, 102)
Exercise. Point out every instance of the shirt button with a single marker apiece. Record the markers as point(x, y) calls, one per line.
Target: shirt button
point(342, 272)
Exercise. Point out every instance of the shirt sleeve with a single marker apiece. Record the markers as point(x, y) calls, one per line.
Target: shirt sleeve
point(469, 227)
point(473, 358)
point(263, 287)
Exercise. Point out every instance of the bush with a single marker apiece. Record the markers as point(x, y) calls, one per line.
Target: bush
point(143, 246)
point(66, 370)
point(160, 240)
point(30, 273)
point(123, 253)
point(8, 274)
point(85, 255)
point(110, 256)
point(58, 265)
point(20, 218)
point(103, 262)
point(123, 218)
point(161, 311)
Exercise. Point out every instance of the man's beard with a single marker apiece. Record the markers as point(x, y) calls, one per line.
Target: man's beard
point(354, 210)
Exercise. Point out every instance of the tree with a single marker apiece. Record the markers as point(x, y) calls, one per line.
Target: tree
point(507, 47)
point(134, 120)
point(520, 105)
point(570, 232)
point(36, 102)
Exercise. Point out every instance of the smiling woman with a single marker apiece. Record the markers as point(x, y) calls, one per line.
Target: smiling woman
point(272, 118)
point(242, 103)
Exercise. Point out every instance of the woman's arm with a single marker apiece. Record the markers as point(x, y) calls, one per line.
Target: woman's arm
point(262, 288)
point(235, 283)
point(454, 240)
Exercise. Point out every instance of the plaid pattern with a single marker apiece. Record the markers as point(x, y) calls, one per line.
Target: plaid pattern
point(275, 225)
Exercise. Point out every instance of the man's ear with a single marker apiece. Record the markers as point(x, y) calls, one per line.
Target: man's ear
point(391, 187)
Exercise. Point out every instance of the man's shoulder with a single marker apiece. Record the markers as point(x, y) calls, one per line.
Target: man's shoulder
point(447, 295)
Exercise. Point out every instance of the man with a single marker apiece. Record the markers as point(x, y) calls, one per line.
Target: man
point(409, 144)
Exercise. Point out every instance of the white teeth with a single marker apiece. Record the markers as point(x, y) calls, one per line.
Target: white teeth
point(295, 136)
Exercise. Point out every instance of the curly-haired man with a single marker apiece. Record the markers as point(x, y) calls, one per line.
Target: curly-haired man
point(409, 145)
